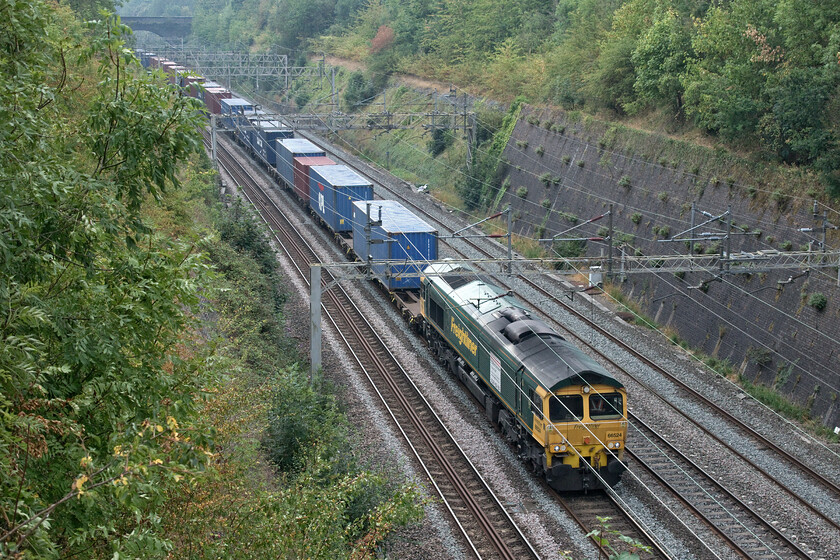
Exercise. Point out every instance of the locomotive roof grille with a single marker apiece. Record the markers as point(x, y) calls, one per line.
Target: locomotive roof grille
point(455, 281)
point(518, 331)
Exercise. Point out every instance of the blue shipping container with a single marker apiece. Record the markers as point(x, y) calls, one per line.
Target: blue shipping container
point(265, 139)
point(232, 108)
point(402, 236)
point(332, 190)
point(288, 150)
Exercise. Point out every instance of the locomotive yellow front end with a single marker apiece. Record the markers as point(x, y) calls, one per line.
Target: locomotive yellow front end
point(586, 435)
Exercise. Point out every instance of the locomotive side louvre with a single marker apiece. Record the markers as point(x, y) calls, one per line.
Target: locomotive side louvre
point(534, 384)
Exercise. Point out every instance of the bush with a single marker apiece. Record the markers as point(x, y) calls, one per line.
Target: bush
point(441, 139)
point(546, 203)
point(818, 301)
point(567, 158)
point(624, 182)
point(545, 178)
point(540, 150)
point(302, 417)
point(636, 218)
point(360, 90)
point(522, 192)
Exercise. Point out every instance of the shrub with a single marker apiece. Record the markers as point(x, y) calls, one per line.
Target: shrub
point(580, 163)
point(818, 301)
point(545, 178)
point(540, 150)
point(294, 422)
point(636, 218)
point(441, 139)
point(522, 192)
point(558, 128)
point(758, 356)
point(624, 181)
point(786, 245)
point(567, 158)
point(522, 144)
point(546, 203)
point(663, 196)
point(781, 199)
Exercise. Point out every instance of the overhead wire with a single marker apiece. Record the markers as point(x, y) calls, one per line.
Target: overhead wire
point(527, 399)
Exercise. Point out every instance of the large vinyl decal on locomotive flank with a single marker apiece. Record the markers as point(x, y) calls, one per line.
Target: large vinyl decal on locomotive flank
point(463, 337)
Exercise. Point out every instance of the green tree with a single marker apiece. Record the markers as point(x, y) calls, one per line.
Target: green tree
point(660, 60)
point(723, 81)
point(97, 404)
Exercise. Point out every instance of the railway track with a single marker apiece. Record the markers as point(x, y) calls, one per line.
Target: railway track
point(743, 529)
point(584, 510)
point(749, 521)
point(487, 528)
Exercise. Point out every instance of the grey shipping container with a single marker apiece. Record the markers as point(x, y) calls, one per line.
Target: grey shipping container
point(288, 150)
point(332, 191)
point(401, 236)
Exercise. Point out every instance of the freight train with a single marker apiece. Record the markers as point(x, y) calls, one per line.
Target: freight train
point(562, 411)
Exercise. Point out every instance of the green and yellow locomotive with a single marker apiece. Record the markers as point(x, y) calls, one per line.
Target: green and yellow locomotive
point(564, 412)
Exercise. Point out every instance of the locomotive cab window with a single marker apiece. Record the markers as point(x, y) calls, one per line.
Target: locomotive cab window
point(606, 406)
point(536, 404)
point(565, 408)
point(436, 312)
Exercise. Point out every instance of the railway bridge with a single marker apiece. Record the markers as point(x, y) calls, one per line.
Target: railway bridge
point(165, 27)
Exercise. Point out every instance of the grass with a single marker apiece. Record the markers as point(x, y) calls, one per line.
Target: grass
point(787, 408)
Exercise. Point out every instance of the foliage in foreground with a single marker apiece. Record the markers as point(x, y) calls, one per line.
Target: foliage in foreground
point(98, 401)
point(284, 482)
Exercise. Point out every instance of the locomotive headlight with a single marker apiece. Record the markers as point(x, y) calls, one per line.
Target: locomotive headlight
point(559, 448)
